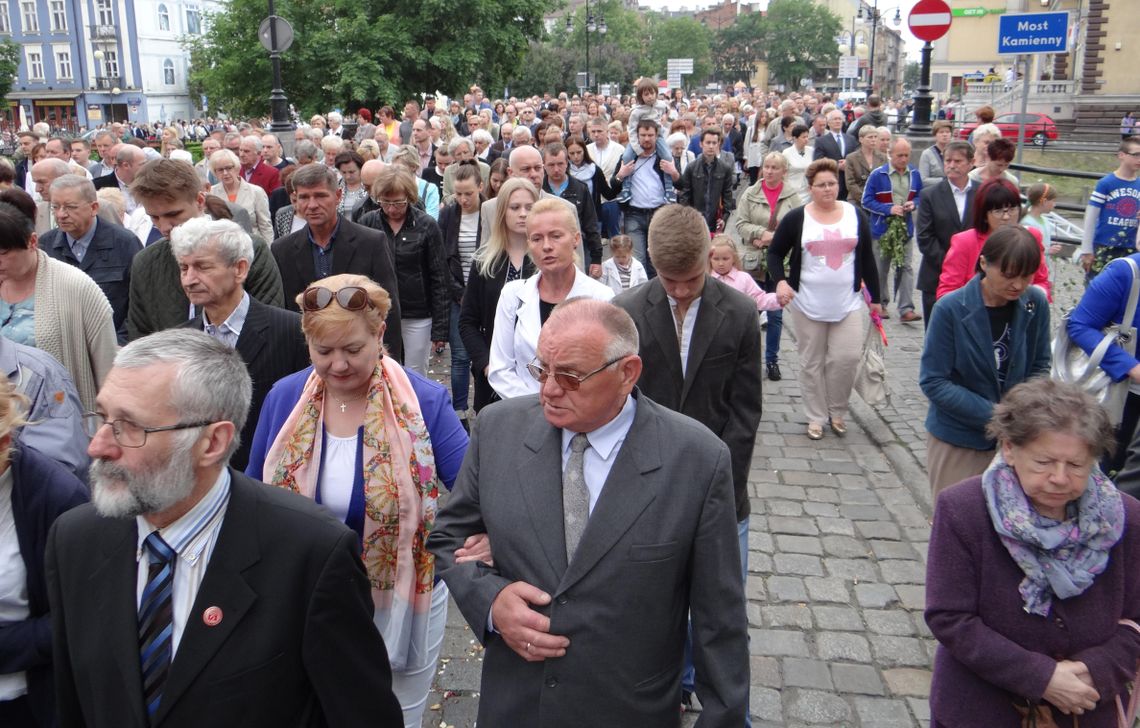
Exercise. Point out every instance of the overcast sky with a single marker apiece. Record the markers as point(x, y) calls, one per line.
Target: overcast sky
point(886, 7)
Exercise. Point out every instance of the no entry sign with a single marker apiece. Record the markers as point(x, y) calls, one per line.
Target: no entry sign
point(929, 20)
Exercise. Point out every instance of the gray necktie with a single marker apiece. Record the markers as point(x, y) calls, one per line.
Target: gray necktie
point(575, 495)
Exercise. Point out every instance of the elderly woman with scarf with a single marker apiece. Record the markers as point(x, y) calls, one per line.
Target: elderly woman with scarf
point(1032, 586)
point(373, 442)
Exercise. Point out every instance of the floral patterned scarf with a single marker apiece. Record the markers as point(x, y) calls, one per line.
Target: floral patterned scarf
point(1059, 558)
point(400, 491)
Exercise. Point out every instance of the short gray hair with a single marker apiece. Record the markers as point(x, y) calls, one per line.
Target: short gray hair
point(305, 149)
point(458, 142)
point(1041, 405)
point(224, 155)
point(482, 135)
point(623, 338)
point(74, 182)
point(230, 242)
point(254, 140)
point(314, 175)
point(212, 383)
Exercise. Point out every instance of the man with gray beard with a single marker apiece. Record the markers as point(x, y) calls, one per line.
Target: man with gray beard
point(187, 594)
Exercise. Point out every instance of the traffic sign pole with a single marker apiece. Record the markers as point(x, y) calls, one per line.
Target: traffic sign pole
point(929, 20)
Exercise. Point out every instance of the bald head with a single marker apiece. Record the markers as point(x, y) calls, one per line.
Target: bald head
point(526, 162)
point(370, 171)
point(46, 171)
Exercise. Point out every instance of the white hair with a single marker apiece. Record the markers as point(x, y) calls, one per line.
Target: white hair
point(482, 135)
point(458, 142)
point(221, 156)
point(181, 155)
point(231, 242)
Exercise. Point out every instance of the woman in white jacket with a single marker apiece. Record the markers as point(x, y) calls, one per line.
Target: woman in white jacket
point(754, 149)
point(553, 236)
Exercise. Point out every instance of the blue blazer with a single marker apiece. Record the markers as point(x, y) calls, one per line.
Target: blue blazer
point(1103, 303)
point(878, 198)
point(448, 438)
point(957, 371)
point(42, 489)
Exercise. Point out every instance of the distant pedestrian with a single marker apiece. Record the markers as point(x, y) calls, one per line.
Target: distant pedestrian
point(1127, 125)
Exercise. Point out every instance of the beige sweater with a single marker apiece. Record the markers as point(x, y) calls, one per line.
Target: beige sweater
point(73, 323)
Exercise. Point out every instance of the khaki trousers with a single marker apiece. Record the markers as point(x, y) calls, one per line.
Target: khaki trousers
point(948, 464)
point(829, 358)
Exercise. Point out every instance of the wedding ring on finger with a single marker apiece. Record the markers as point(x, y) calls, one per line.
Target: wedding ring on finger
point(528, 648)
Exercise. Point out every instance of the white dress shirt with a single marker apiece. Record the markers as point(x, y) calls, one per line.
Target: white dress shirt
point(960, 197)
point(686, 328)
point(605, 443)
point(192, 537)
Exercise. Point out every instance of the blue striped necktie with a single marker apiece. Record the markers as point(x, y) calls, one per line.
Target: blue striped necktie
point(156, 620)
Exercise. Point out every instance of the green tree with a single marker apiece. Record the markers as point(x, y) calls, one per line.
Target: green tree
point(614, 54)
point(10, 56)
point(912, 74)
point(678, 38)
point(347, 52)
point(738, 48)
point(546, 68)
point(799, 40)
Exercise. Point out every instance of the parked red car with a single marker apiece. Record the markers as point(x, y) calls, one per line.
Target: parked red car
point(1039, 128)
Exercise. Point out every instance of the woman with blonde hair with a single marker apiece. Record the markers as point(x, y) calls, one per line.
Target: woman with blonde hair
point(372, 441)
point(502, 258)
point(34, 491)
point(409, 158)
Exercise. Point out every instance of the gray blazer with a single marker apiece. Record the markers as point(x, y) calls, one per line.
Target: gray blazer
point(660, 544)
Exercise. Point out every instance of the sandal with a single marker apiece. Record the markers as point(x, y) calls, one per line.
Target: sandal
point(815, 431)
point(839, 427)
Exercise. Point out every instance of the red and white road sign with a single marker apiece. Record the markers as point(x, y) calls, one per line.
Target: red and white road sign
point(929, 20)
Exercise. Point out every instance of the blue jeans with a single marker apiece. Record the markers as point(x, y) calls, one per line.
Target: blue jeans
point(460, 364)
point(608, 219)
point(689, 672)
point(772, 337)
point(637, 228)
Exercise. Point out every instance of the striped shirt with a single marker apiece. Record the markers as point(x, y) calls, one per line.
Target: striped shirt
point(192, 537)
point(468, 240)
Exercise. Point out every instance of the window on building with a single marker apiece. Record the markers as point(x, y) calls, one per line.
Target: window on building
point(63, 65)
point(111, 63)
point(163, 17)
point(5, 21)
point(193, 21)
point(106, 11)
point(168, 72)
point(58, 13)
point(30, 16)
point(35, 65)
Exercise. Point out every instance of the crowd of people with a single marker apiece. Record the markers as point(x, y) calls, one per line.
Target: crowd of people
point(229, 358)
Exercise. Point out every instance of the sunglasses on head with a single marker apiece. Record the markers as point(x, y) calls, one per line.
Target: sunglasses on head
point(350, 298)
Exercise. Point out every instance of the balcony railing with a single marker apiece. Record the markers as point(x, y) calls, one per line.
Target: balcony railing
point(104, 32)
point(107, 83)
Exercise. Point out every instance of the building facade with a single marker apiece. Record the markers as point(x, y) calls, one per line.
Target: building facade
point(92, 62)
point(855, 38)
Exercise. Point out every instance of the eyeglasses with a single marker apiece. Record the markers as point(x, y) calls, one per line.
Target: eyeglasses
point(69, 209)
point(1007, 211)
point(825, 185)
point(566, 380)
point(1134, 155)
point(127, 433)
point(227, 168)
point(394, 204)
point(350, 298)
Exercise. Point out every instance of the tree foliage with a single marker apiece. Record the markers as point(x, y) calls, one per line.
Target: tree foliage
point(347, 52)
point(912, 75)
point(800, 39)
point(678, 38)
point(10, 56)
point(738, 48)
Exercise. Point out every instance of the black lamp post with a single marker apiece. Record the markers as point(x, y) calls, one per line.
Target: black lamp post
point(278, 102)
point(896, 21)
point(591, 26)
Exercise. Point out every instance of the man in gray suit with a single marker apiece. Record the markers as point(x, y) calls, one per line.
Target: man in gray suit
point(611, 519)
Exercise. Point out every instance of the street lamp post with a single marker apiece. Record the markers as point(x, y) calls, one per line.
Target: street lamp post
point(591, 26)
point(278, 102)
point(873, 12)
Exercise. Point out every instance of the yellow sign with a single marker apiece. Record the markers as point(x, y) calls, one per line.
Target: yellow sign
point(54, 102)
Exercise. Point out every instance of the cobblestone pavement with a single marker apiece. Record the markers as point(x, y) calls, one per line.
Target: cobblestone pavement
point(838, 540)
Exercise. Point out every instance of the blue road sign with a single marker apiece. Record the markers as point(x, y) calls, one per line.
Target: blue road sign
point(1033, 33)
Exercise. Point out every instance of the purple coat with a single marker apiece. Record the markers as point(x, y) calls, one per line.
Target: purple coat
point(990, 650)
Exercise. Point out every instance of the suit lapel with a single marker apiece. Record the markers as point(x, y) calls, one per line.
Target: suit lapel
point(345, 248)
point(625, 495)
point(705, 328)
point(543, 495)
point(303, 259)
point(115, 583)
point(965, 221)
point(252, 338)
point(659, 317)
point(225, 587)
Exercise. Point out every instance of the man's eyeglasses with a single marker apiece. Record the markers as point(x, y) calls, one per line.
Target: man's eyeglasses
point(127, 433)
point(350, 298)
point(69, 209)
point(566, 380)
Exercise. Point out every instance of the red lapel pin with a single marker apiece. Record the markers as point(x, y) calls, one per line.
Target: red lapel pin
point(212, 616)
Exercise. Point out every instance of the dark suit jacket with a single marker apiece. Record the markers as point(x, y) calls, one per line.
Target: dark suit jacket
point(660, 544)
point(272, 346)
point(826, 146)
point(937, 222)
point(107, 262)
point(296, 645)
point(357, 249)
point(42, 489)
point(107, 180)
point(721, 385)
point(22, 172)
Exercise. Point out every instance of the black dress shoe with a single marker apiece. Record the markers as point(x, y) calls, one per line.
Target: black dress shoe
point(774, 371)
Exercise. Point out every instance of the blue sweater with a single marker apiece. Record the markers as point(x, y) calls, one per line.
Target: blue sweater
point(957, 372)
point(878, 199)
point(448, 438)
point(1103, 303)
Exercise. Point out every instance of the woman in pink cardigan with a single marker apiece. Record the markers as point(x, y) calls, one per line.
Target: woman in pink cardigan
point(996, 204)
